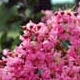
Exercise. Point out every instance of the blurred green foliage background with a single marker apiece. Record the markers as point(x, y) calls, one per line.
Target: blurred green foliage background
point(15, 13)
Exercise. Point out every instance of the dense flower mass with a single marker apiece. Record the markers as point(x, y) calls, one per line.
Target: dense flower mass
point(50, 50)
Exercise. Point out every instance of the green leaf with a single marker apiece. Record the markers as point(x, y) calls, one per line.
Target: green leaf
point(65, 44)
point(3, 39)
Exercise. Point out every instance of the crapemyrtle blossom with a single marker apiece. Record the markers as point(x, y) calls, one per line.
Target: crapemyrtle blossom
point(50, 50)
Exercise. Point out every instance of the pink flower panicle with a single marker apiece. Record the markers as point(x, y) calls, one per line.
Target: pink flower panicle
point(50, 50)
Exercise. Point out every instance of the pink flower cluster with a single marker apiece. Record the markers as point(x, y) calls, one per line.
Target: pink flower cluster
point(50, 50)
